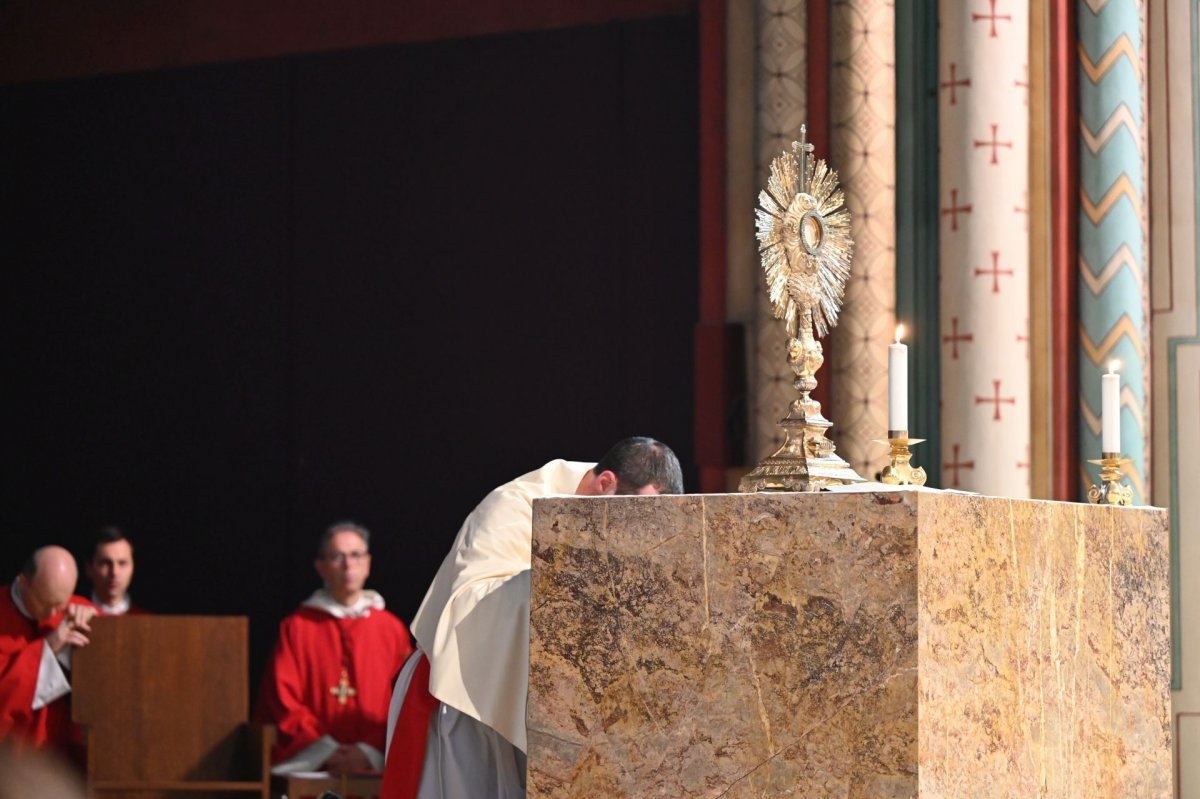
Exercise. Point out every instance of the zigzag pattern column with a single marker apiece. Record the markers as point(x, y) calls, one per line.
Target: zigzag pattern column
point(1113, 229)
point(782, 56)
point(863, 150)
point(983, 125)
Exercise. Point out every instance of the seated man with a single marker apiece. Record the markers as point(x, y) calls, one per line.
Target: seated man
point(472, 630)
point(111, 571)
point(41, 622)
point(327, 685)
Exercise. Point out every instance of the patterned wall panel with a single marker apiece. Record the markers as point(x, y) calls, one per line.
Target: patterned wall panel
point(782, 57)
point(984, 244)
point(1113, 228)
point(1174, 60)
point(863, 150)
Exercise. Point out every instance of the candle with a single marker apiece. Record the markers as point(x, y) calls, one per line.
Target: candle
point(898, 383)
point(1110, 408)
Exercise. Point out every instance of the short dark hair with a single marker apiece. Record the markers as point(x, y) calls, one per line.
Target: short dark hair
point(109, 534)
point(342, 527)
point(640, 461)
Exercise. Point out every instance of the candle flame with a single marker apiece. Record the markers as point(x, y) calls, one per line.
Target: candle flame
point(899, 332)
point(1113, 366)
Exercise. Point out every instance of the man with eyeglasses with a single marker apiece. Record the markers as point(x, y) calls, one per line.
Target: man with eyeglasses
point(327, 686)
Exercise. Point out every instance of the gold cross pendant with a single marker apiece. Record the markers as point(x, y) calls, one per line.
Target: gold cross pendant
point(343, 690)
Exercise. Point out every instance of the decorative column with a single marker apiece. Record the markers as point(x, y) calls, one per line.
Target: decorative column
point(984, 188)
point(1113, 229)
point(863, 151)
point(782, 55)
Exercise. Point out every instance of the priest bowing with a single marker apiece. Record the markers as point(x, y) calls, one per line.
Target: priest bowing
point(41, 623)
point(458, 710)
point(330, 678)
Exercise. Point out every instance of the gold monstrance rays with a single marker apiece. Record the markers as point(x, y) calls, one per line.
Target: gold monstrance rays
point(804, 240)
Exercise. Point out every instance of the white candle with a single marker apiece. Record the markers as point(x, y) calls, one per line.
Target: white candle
point(1110, 408)
point(898, 383)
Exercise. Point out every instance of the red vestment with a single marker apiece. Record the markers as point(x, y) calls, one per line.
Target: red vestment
point(300, 686)
point(21, 647)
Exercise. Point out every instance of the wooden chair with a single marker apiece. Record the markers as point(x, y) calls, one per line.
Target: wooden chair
point(164, 702)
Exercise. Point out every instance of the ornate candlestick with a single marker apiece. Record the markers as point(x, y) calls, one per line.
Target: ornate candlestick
point(804, 241)
point(900, 472)
point(1112, 490)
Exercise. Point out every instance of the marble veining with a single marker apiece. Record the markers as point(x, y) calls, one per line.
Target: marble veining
point(847, 645)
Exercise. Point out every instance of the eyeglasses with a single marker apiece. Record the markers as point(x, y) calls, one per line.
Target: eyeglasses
point(340, 558)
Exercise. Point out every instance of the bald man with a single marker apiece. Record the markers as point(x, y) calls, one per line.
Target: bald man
point(41, 622)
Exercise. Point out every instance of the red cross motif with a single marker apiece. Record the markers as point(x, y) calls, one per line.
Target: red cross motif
point(1025, 338)
point(955, 466)
point(954, 83)
point(955, 209)
point(1019, 210)
point(993, 17)
point(995, 144)
point(1025, 463)
point(996, 400)
point(995, 272)
point(956, 337)
point(1024, 84)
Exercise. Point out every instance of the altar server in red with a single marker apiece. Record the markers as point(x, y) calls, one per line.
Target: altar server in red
point(329, 681)
point(111, 571)
point(41, 624)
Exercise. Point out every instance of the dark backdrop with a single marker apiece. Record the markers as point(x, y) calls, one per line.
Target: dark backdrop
point(243, 301)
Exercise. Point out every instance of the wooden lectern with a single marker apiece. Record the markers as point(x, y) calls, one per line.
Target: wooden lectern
point(299, 786)
point(164, 703)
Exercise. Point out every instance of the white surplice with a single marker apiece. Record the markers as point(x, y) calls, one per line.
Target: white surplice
point(474, 623)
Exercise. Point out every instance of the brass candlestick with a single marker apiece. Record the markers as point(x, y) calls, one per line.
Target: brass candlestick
point(1111, 491)
point(900, 472)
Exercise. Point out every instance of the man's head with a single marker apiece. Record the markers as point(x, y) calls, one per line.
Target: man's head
point(47, 581)
point(635, 465)
point(344, 561)
point(111, 566)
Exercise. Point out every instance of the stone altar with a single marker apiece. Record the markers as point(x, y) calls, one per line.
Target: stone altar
point(886, 644)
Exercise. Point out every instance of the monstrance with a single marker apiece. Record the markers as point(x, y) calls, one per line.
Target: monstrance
point(805, 245)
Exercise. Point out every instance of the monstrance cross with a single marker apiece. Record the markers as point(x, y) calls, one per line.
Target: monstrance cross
point(343, 690)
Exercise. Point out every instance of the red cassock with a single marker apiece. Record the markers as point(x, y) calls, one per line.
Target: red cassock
point(20, 656)
point(303, 693)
